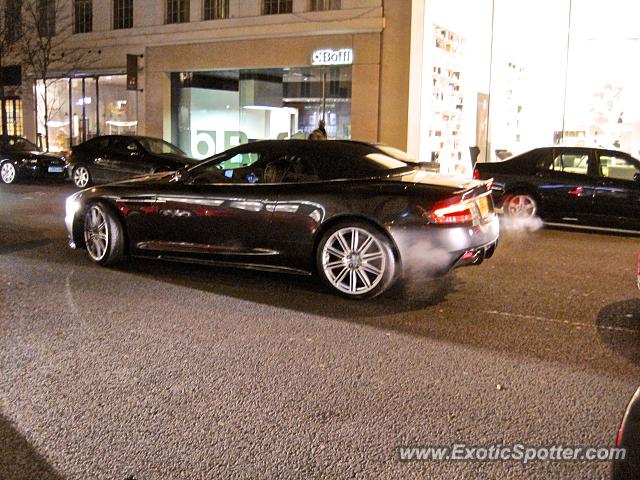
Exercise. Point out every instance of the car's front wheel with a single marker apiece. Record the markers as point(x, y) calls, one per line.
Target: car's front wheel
point(520, 205)
point(103, 235)
point(81, 177)
point(356, 260)
point(8, 173)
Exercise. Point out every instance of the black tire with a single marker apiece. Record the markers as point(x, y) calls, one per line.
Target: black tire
point(81, 176)
point(520, 204)
point(103, 235)
point(356, 260)
point(8, 173)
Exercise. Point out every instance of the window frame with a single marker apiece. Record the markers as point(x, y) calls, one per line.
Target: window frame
point(13, 20)
point(215, 10)
point(324, 5)
point(621, 156)
point(591, 161)
point(282, 7)
point(46, 21)
point(177, 11)
point(82, 21)
point(122, 14)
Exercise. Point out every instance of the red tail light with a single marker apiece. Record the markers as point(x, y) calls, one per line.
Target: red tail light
point(619, 437)
point(464, 212)
point(476, 174)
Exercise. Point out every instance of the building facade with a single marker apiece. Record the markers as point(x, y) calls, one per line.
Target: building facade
point(212, 74)
point(452, 81)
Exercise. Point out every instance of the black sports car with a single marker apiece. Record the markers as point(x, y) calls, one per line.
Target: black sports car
point(111, 158)
point(19, 158)
point(359, 215)
point(568, 185)
point(629, 439)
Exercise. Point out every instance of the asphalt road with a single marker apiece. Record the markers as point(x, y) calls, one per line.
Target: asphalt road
point(162, 371)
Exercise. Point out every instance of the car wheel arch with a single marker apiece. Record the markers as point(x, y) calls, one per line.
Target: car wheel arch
point(524, 188)
point(331, 222)
point(78, 223)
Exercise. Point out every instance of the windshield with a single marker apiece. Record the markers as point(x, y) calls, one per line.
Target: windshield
point(160, 147)
point(19, 144)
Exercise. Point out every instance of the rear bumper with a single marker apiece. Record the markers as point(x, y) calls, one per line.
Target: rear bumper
point(435, 250)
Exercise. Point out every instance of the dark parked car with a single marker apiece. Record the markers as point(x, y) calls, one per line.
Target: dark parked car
point(629, 438)
point(359, 215)
point(19, 158)
point(117, 157)
point(581, 186)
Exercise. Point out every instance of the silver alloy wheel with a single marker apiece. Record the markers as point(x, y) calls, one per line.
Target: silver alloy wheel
point(353, 260)
point(521, 205)
point(81, 177)
point(96, 233)
point(8, 172)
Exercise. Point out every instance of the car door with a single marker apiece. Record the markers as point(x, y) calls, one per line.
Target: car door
point(617, 200)
point(567, 184)
point(91, 154)
point(125, 159)
point(220, 210)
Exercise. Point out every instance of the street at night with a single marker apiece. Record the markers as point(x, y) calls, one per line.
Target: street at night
point(155, 370)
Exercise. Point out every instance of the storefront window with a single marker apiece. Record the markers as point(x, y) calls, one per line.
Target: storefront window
point(213, 111)
point(53, 114)
point(117, 106)
point(13, 109)
point(83, 110)
point(78, 109)
point(512, 75)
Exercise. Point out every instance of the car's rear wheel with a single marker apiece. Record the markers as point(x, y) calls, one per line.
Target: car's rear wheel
point(8, 173)
point(81, 177)
point(103, 235)
point(356, 260)
point(520, 205)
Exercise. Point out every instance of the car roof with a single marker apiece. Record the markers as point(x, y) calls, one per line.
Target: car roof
point(308, 145)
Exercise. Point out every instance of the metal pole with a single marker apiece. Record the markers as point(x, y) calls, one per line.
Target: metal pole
point(566, 75)
point(487, 153)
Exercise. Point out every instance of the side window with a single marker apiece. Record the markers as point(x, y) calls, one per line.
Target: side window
point(577, 163)
point(290, 169)
point(618, 168)
point(100, 144)
point(240, 160)
point(240, 168)
point(124, 146)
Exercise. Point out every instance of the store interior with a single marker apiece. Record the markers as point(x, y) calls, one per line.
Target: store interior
point(511, 75)
point(215, 110)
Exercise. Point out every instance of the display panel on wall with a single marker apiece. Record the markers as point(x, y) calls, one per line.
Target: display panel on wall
point(215, 110)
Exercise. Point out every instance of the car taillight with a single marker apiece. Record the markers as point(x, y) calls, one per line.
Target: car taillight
point(464, 212)
point(619, 437)
point(476, 174)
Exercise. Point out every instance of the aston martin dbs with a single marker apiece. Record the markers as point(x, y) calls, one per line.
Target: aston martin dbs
point(359, 215)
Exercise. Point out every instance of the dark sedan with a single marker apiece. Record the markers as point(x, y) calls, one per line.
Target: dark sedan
point(19, 158)
point(359, 215)
point(118, 157)
point(569, 185)
point(629, 439)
